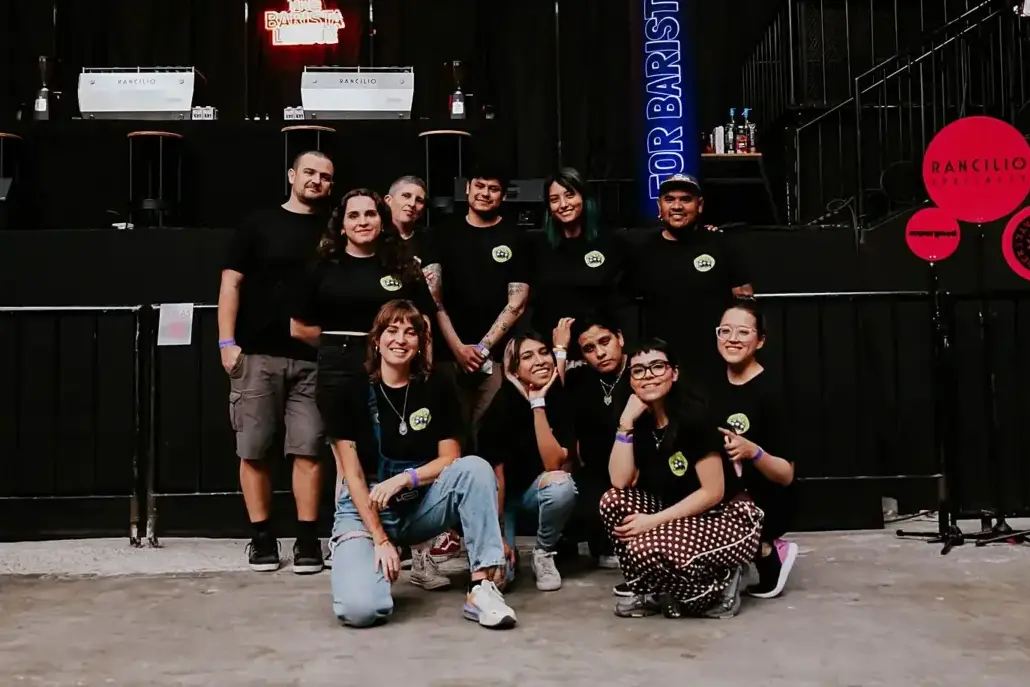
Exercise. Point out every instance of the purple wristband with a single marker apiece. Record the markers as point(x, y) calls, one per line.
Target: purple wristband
point(623, 438)
point(758, 455)
point(225, 343)
point(414, 477)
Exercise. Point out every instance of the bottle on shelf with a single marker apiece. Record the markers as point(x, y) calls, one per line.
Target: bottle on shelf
point(706, 144)
point(741, 132)
point(729, 131)
point(752, 137)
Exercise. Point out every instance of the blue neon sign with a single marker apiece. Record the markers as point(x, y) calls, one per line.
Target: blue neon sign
point(669, 96)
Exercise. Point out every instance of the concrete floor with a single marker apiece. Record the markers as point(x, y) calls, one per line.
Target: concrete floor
point(862, 609)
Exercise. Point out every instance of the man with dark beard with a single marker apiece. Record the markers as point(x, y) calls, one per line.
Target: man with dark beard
point(685, 273)
point(272, 375)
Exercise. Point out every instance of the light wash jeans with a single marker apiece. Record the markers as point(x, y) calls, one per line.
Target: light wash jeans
point(465, 492)
point(551, 507)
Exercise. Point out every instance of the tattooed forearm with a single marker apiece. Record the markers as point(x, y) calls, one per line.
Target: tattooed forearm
point(745, 290)
point(434, 280)
point(518, 294)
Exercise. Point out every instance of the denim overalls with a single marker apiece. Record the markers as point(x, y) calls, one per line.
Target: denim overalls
point(404, 502)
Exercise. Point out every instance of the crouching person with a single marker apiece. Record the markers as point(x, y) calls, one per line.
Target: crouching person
point(678, 515)
point(527, 434)
point(421, 486)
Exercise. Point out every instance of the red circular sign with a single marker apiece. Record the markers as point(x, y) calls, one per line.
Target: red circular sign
point(932, 234)
point(1015, 243)
point(976, 169)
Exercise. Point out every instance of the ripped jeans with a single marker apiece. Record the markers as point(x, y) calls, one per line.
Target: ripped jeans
point(465, 493)
point(549, 506)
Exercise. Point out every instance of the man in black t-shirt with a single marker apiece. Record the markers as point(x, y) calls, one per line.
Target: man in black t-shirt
point(272, 376)
point(685, 274)
point(485, 263)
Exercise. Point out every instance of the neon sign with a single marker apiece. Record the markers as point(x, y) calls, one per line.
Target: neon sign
point(670, 121)
point(306, 22)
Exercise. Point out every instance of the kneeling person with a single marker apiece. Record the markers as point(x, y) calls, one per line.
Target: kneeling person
point(421, 486)
point(526, 434)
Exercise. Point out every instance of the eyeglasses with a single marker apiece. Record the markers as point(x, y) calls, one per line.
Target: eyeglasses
point(657, 368)
point(726, 332)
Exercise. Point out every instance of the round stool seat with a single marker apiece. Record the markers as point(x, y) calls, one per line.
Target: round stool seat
point(308, 127)
point(160, 134)
point(445, 132)
point(10, 137)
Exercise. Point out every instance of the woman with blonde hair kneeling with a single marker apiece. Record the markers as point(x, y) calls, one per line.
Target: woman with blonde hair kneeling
point(680, 521)
point(420, 486)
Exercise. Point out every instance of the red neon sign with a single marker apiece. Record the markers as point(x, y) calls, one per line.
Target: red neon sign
point(306, 22)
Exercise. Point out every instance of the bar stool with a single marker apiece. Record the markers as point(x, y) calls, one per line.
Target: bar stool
point(155, 160)
point(300, 138)
point(450, 167)
point(10, 171)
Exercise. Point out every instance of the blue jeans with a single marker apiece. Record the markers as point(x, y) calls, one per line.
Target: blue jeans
point(550, 506)
point(465, 492)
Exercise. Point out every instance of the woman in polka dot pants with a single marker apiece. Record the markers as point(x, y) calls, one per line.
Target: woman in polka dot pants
point(680, 520)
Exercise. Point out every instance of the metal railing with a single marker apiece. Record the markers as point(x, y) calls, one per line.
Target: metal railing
point(864, 154)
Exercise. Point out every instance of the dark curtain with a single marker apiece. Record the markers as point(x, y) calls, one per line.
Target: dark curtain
point(26, 32)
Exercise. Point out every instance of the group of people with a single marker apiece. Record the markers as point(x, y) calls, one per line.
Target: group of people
point(416, 354)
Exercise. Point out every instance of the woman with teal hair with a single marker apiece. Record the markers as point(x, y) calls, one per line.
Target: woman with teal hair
point(577, 265)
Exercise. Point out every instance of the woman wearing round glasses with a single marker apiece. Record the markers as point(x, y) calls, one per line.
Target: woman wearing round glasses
point(680, 520)
point(748, 406)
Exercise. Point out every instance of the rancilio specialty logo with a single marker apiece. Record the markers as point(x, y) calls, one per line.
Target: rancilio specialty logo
point(704, 263)
point(678, 464)
point(739, 423)
point(420, 419)
point(976, 169)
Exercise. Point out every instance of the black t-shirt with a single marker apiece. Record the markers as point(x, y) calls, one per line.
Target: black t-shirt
point(669, 471)
point(575, 278)
point(686, 285)
point(346, 296)
point(271, 249)
point(478, 264)
point(595, 421)
point(431, 414)
point(755, 410)
point(507, 436)
point(423, 248)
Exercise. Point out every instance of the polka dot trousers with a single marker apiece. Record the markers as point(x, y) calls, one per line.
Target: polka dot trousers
point(690, 558)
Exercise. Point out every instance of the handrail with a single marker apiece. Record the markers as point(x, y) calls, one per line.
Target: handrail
point(70, 308)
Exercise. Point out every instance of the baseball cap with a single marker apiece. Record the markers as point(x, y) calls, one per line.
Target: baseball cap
point(680, 181)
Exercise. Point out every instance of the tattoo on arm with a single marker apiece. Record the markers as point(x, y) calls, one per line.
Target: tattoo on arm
point(744, 290)
point(518, 294)
point(434, 280)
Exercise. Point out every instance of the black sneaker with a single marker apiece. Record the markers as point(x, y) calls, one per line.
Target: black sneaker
point(638, 606)
point(728, 604)
point(307, 557)
point(773, 570)
point(263, 553)
point(622, 590)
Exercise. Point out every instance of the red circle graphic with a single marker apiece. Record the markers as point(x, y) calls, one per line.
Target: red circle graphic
point(1015, 243)
point(976, 169)
point(932, 234)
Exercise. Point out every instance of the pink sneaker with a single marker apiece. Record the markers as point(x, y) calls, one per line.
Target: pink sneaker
point(446, 547)
point(773, 570)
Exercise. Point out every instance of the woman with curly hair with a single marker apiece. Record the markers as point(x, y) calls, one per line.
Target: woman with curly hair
point(362, 264)
point(418, 485)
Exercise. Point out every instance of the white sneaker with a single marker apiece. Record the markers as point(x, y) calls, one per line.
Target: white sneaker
point(608, 562)
point(548, 579)
point(485, 605)
point(425, 572)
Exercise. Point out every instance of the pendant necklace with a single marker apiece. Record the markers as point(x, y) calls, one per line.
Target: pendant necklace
point(609, 389)
point(403, 428)
point(658, 439)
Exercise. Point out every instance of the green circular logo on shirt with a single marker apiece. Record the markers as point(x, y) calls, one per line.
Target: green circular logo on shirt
point(678, 464)
point(594, 258)
point(420, 419)
point(501, 253)
point(704, 263)
point(390, 283)
point(739, 423)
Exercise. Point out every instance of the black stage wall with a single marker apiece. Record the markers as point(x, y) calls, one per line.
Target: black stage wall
point(850, 330)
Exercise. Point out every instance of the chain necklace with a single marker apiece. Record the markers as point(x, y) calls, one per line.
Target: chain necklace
point(403, 428)
point(659, 437)
point(609, 389)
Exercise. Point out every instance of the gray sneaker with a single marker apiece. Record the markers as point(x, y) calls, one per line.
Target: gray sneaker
point(728, 604)
point(638, 606)
point(548, 579)
point(425, 572)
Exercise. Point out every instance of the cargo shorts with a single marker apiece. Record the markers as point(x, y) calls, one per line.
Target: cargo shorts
point(266, 391)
